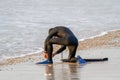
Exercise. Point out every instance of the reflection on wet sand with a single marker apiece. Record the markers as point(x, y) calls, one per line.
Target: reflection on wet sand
point(49, 72)
point(73, 72)
point(62, 72)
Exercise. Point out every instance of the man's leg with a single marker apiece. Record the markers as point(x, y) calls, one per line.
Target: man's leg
point(72, 53)
point(60, 41)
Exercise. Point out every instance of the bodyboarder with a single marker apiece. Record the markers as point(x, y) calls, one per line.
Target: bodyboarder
point(63, 36)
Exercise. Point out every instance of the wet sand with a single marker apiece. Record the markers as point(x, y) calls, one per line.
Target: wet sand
point(105, 46)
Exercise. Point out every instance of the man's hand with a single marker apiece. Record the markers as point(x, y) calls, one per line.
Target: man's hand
point(45, 54)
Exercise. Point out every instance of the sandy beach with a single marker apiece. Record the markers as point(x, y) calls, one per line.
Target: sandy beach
point(108, 45)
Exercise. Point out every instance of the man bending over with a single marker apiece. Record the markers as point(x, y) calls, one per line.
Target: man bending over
point(62, 36)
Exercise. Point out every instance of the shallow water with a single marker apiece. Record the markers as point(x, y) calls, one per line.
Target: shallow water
point(24, 24)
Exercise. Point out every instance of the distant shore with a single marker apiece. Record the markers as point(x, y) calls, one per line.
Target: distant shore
point(111, 39)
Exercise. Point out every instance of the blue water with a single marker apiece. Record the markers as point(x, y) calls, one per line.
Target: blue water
point(24, 24)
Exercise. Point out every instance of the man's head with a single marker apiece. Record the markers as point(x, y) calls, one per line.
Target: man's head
point(50, 30)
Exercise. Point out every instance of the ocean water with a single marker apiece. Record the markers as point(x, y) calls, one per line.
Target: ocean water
point(24, 24)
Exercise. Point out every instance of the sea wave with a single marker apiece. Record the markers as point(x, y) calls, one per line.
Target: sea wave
point(99, 35)
point(3, 57)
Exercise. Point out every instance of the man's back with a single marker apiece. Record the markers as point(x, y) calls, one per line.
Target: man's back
point(62, 31)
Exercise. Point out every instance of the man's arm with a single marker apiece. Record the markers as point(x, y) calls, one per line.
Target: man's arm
point(61, 49)
point(51, 34)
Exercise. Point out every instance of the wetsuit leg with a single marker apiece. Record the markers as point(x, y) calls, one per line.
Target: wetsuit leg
point(72, 51)
point(60, 41)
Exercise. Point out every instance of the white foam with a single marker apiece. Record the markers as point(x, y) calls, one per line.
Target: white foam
point(99, 35)
point(102, 34)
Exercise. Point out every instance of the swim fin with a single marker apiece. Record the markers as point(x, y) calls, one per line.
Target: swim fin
point(80, 60)
point(45, 62)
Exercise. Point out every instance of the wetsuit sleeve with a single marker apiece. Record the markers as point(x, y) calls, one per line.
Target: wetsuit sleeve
point(45, 46)
point(61, 49)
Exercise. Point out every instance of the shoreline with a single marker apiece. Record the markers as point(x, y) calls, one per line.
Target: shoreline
point(100, 40)
point(107, 39)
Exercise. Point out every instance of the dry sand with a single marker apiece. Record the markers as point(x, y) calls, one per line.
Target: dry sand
point(105, 46)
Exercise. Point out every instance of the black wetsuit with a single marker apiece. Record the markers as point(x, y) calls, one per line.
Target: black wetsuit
point(62, 36)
